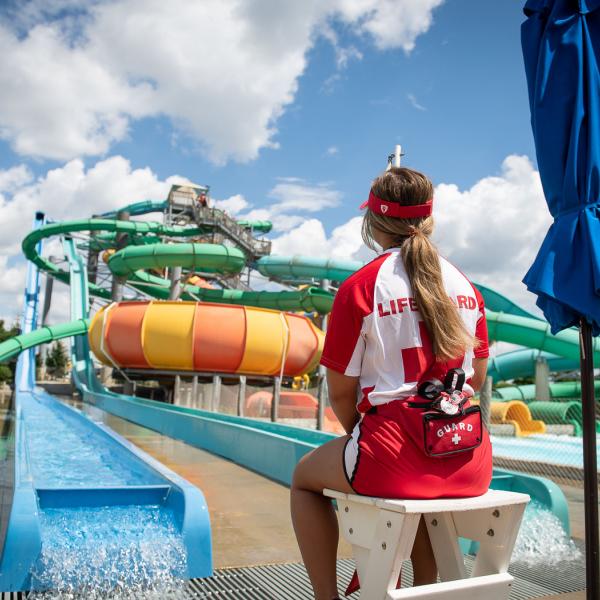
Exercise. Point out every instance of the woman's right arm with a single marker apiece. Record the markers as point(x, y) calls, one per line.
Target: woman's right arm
point(480, 366)
point(342, 397)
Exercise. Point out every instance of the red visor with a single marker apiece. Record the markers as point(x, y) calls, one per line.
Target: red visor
point(393, 209)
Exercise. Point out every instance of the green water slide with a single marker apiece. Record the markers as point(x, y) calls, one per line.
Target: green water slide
point(535, 333)
point(519, 363)
point(44, 335)
point(132, 260)
point(256, 226)
point(301, 268)
point(137, 209)
point(213, 258)
point(558, 413)
point(558, 390)
point(501, 304)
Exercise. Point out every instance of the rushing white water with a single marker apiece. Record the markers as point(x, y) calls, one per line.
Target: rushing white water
point(542, 539)
point(119, 552)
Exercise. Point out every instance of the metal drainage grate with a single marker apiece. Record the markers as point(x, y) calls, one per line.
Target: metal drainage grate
point(289, 581)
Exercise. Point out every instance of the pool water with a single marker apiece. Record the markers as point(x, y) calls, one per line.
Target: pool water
point(112, 552)
point(542, 539)
point(547, 448)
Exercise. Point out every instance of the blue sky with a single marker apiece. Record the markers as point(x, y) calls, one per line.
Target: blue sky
point(271, 104)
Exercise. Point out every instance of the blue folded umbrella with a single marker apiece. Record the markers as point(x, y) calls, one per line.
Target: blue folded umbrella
point(561, 49)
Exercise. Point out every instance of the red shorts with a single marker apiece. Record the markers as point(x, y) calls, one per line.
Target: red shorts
point(385, 457)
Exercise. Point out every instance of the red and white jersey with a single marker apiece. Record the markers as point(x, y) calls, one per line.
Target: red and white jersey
point(375, 331)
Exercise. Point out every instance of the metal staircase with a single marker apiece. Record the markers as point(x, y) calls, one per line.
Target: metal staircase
point(221, 223)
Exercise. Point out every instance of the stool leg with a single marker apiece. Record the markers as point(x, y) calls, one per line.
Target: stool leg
point(444, 541)
point(392, 543)
point(494, 554)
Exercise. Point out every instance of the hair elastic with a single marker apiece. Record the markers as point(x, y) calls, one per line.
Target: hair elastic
point(394, 209)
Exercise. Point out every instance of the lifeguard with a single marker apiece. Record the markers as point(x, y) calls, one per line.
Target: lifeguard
point(407, 318)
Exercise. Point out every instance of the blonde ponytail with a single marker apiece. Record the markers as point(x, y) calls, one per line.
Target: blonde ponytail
point(446, 328)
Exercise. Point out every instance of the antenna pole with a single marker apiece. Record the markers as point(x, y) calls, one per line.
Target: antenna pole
point(397, 155)
point(395, 158)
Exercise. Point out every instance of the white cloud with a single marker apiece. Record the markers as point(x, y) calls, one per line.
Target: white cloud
point(391, 23)
point(59, 102)
point(233, 205)
point(310, 239)
point(414, 102)
point(493, 230)
point(223, 71)
point(332, 151)
point(13, 178)
point(345, 55)
point(295, 194)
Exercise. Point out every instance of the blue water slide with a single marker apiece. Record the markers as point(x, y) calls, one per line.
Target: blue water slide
point(85, 451)
point(25, 371)
point(22, 540)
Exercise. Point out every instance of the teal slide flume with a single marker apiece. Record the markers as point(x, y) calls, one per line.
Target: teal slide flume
point(294, 268)
point(521, 363)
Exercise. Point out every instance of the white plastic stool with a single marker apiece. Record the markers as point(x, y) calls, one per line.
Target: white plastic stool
point(382, 533)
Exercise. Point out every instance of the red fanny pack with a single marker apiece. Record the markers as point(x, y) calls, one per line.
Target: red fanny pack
point(449, 427)
point(450, 434)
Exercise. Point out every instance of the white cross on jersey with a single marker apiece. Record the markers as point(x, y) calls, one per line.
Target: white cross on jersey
point(455, 439)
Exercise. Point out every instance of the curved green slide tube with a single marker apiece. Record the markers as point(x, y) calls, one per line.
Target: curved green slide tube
point(43, 335)
point(214, 258)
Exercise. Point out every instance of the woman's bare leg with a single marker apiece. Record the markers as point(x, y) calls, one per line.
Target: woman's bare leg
point(314, 519)
point(316, 526)
point(423, 561)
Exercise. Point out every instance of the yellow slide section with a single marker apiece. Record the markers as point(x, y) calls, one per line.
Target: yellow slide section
point(516, 413)
point(205, 337)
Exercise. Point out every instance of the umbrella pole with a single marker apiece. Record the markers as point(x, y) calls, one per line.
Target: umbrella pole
point(589, 462)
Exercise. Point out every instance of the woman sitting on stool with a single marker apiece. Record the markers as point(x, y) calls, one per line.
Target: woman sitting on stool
point(406, 317)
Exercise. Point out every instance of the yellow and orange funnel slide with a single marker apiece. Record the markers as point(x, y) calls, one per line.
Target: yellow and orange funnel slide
point(206, 337)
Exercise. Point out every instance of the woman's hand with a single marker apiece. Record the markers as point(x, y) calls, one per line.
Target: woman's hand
point(342, 397)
